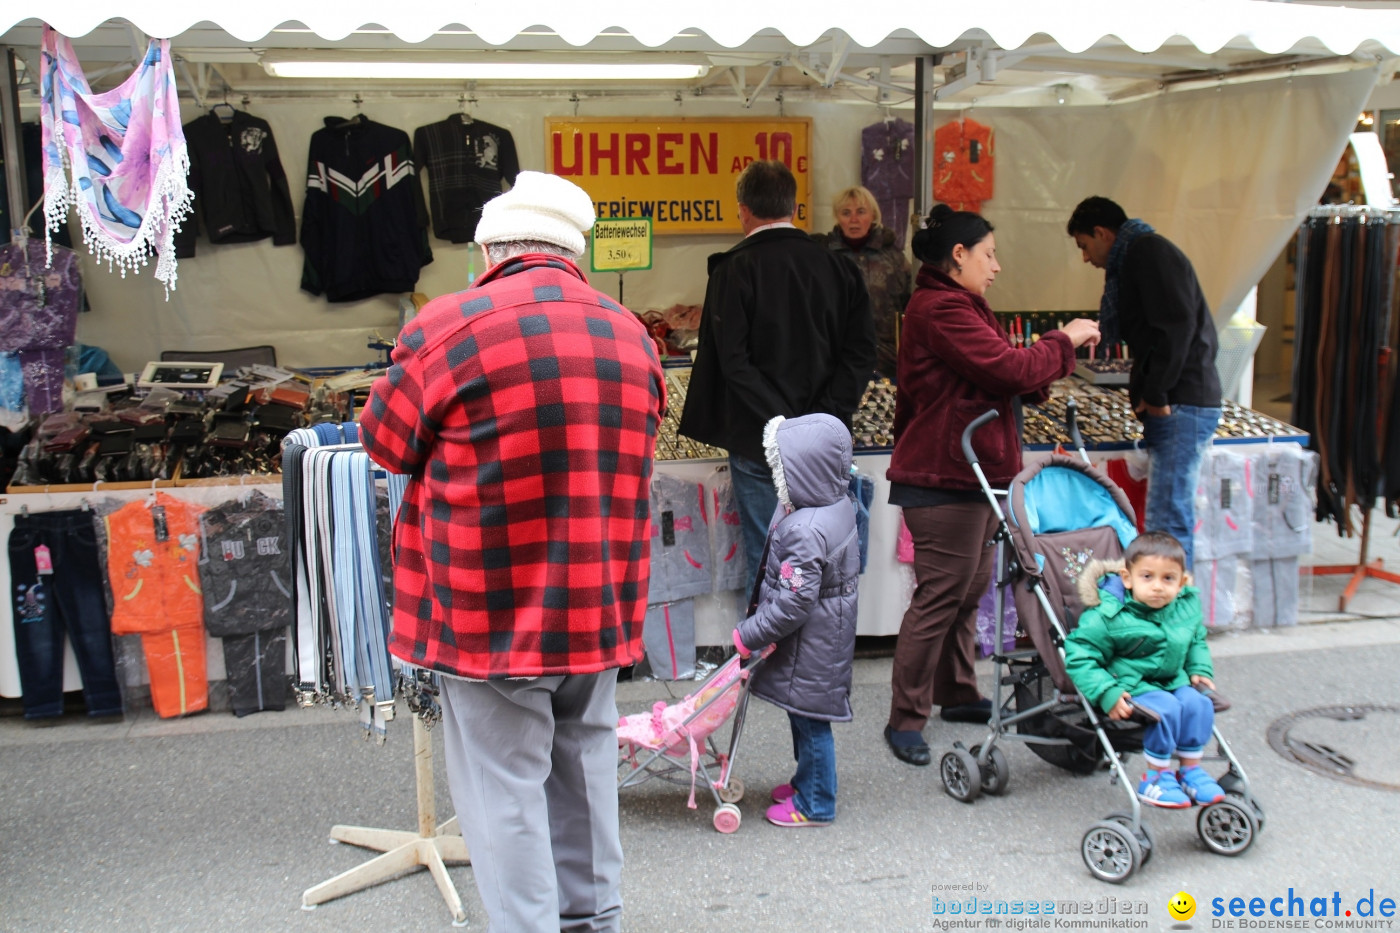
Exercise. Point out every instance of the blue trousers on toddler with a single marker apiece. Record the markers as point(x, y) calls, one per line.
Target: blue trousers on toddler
point(815, 778)
point(1187, 720)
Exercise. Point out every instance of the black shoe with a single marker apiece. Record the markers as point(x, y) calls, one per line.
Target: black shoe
point(916, 754)
point(979, 712)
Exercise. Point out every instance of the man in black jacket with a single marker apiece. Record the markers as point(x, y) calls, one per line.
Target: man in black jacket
point(1152, 298)
point(786, 330)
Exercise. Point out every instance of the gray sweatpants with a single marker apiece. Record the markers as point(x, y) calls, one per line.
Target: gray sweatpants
point(532, 765)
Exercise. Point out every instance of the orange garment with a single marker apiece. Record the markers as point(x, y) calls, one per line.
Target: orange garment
point(963, 160)
point(179, 680)
point(154, 571)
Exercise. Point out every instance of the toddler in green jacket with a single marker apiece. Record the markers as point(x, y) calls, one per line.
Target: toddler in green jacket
point(1144, 645)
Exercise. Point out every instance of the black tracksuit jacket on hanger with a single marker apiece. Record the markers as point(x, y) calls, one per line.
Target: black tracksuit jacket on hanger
point(364, 226)
point(240, 188)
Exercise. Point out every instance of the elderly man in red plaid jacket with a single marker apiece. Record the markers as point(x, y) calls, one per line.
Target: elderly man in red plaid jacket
point(525, 411)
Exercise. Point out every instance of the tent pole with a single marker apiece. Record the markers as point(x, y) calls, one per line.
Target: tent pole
point(923, 133)
point(13, 146)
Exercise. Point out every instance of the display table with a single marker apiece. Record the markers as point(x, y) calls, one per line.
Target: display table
point(885, 588)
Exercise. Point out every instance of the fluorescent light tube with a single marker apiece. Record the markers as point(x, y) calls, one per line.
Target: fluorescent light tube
point(388, 68)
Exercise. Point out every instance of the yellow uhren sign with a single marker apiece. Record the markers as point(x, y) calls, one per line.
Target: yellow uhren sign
point(678, 173)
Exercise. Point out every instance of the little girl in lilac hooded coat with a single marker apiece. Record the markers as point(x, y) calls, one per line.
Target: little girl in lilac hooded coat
point(807, 598)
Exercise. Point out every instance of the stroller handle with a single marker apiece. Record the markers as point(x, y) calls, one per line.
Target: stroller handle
point(1072, 423)
point(971, 429)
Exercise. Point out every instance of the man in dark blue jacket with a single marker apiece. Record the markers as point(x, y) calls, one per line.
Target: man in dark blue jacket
point(786, 330)
point(1152, 298)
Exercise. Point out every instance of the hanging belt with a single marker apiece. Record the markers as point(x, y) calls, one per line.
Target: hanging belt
point(374, 610)
point(343, 619)
point(308, 648)
point(419, 684)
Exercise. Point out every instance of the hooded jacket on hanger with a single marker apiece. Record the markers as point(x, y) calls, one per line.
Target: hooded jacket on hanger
point(240, 188)
point(465, 160)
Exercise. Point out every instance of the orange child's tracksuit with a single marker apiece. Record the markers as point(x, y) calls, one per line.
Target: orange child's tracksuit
point(152, 563)
point(963, 164)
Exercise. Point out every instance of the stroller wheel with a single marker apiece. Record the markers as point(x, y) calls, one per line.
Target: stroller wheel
point(1144, 835)
point(1111, 852)
point(1231, 783)
point(962, 778)
point(1227, 827)
point(733, 793)
point(996, 773)
point(727, 818)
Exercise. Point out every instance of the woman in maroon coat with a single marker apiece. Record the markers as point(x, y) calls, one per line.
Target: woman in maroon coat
point(955, 363)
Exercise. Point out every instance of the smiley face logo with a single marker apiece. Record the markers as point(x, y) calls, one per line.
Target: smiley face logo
point(1182, 906)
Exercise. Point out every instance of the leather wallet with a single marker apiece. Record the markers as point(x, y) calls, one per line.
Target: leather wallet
point(290, 394)
point(1143, 716)
point(66, 440)
point(1218, 702)
point(228, 431)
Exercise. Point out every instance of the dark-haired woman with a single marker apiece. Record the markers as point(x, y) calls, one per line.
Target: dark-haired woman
point(955, 363)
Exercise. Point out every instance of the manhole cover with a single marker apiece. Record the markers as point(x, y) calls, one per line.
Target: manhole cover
point(1358, 744)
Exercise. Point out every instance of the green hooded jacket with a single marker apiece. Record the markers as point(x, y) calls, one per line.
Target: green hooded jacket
point(1129, 647)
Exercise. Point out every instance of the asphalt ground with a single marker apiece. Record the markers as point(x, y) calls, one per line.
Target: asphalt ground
point(218, 823)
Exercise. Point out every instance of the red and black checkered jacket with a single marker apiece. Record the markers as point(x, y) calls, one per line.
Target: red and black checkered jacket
point(525, 411)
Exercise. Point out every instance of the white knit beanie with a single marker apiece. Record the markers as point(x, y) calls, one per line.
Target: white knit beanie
point(538, 207)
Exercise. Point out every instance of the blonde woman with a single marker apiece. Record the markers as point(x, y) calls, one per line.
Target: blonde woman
point(859, 235)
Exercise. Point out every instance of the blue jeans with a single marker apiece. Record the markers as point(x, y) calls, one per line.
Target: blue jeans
point(1187, 719)
point(757, 501)
point(1174, 445)
point(815, 779)
point(68, 601)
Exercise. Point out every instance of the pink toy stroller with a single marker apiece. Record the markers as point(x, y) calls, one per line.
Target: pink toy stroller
point(677, 741)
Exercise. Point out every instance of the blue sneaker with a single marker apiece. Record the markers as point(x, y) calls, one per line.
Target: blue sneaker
point(1200, 786)
point(1160, 789)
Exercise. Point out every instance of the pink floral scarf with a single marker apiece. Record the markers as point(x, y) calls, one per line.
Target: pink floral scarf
point(119, 157)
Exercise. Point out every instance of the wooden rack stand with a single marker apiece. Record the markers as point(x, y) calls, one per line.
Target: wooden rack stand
point(1361, 570)
point(432, 847)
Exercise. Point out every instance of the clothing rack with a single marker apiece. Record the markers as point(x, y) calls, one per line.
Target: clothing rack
point(1343, 313)
point(432, 847)
point(1360, 571)
point(341, 652)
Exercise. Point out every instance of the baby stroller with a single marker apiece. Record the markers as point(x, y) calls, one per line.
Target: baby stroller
point(1059, 515)
point(675, 742)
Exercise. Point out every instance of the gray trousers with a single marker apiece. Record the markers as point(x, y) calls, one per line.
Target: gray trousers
point(532, 765)
point(1276, 592)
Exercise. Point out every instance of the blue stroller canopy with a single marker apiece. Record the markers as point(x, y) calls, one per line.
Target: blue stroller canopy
point(1065, 499)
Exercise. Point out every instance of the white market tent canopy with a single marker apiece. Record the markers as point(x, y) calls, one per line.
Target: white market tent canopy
point(1226, 116)
point(1129, 45)
point(1209, 25)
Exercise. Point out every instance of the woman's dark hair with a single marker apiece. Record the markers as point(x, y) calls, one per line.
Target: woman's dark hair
point(945, 228)
point(1096, 212)
point(1155, 544)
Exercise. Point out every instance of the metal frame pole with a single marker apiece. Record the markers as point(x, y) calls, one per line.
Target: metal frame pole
point(923, 132)
point(13, 141)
